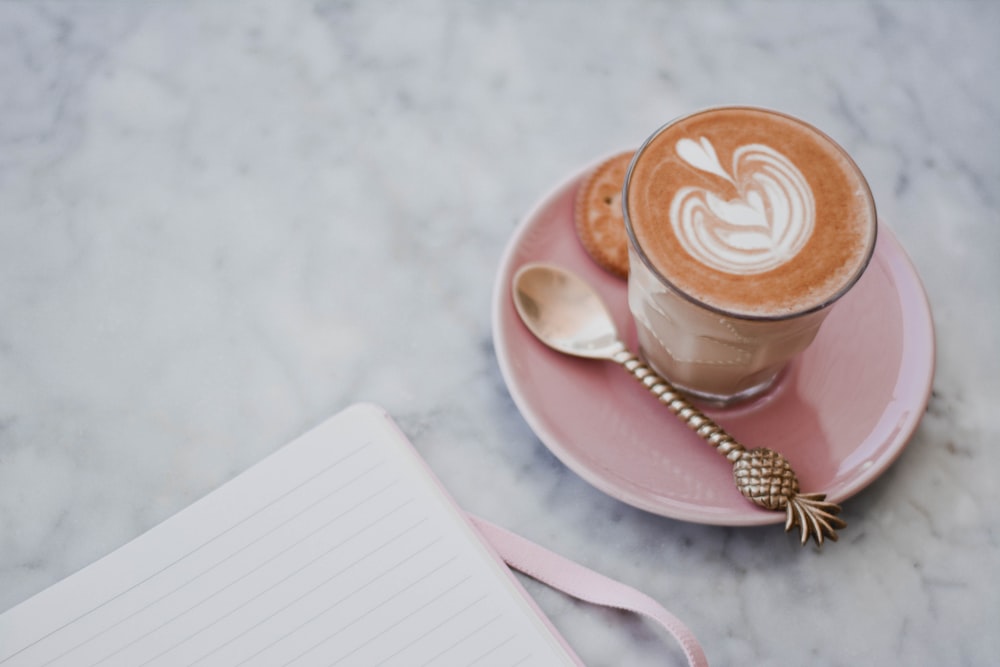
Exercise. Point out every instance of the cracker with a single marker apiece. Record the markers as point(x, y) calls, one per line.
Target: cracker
point(600, 224)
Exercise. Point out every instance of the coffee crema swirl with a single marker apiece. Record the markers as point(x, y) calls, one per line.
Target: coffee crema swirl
point(750, 211)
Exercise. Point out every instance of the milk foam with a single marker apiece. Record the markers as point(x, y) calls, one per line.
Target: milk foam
point(764, 227)
point(744, 226)
point(750, 212)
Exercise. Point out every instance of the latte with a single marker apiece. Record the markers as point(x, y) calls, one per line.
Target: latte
point(743, 225)
point(750, 212)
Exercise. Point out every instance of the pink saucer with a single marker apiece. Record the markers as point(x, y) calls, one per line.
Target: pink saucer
point(841, 413)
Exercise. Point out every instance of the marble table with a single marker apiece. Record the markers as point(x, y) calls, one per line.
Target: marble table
point(220, 225)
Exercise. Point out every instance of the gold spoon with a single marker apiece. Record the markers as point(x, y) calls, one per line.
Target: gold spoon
point(563, 312)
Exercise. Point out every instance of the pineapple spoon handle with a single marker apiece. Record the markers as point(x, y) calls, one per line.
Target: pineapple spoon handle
point(762, 475)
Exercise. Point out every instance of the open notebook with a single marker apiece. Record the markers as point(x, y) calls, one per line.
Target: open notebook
point(341, 548)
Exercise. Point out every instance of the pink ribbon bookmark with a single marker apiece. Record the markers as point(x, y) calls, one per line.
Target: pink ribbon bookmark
point(579, 582)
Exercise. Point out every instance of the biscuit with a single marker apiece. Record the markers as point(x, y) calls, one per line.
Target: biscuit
point(600, 224)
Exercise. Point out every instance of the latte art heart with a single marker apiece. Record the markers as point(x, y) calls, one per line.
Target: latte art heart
point(765, 226)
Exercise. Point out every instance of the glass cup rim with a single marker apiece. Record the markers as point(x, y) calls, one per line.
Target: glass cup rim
point(848, 284)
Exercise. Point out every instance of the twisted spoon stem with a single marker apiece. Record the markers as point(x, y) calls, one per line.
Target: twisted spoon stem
point(762, 475)
point(667, 394)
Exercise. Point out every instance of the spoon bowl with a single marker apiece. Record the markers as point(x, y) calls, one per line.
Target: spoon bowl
point(564, 312)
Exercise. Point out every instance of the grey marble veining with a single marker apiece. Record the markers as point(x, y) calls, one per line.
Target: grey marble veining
point(219, 225)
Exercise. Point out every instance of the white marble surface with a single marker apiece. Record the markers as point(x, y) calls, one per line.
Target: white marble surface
point(220, 224)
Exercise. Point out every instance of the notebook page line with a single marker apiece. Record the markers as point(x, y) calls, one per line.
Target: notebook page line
point(359, 560)
point(458, 642)
point(212, 568)
point(431, 630)
point(381, 604)
point(242, 577)
point(493, 649)
point(188, 554)
point(432, 600)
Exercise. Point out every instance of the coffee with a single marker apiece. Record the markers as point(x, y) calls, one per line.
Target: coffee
point(751, 212)
point(743, 224)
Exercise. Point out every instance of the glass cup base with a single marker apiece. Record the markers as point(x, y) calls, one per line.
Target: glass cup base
point(724, 400)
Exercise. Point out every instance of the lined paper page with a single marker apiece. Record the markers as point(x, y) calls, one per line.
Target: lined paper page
point(339, 549)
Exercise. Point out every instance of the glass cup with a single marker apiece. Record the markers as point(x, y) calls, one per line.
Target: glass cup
point(745, 226)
